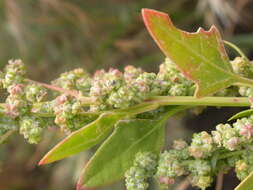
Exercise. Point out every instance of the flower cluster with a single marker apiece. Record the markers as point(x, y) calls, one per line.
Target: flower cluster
point(78, 79)
point(243, 67)
point(15, 73)
point(66, 111)
point(229, 146)
point(114, 89)
point(143, 168)
point(32, 128)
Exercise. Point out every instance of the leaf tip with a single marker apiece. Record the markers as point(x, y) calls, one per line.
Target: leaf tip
point(42, 162)
point(147, 13)
point(79, 186)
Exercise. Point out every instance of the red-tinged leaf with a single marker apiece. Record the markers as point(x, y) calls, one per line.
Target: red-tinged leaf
point(117, 153)
point(83, 138)
point(200, 56)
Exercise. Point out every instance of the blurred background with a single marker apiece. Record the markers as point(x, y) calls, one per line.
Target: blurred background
point(53, 36)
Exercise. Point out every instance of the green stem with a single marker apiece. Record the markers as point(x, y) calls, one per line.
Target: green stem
point(7, 135)
point(156, 101)
point(243, 81)
point(230, 154)
point(237, 49)
point(206, 101)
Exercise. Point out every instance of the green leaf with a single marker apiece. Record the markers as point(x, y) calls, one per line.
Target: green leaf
point(117, 153)
point(246, 184)
point(242, 114)
point(200, 56)
point(83, 138)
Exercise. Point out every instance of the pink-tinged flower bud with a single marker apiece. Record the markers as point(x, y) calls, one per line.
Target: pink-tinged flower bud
point(232, 143)
point(247, 131)
point(61, 99)
point(217, 138)
point(179, 144)
point(166, 180)
point(16, 89)
point(197, 152)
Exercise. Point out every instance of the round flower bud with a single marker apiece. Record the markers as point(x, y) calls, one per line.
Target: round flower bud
point(200, 167)
point(35, 93)
point(15, 73)
point(31, 128)
point(146, 160)
point(77, 79)
point(242, 169)
point(201, 181)
point(170, 165)
point(202, 145)
point(144, 167)
point(229, 135)
point(178, 90)
point(131, 72)
point(242, 67)
point(179, 144)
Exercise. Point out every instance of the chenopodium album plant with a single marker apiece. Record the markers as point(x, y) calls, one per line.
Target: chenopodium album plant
point(127, 111)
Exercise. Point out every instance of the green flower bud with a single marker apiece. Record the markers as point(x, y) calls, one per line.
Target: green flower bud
point(31, 128)
point(242, 169)
point(246, 91)
point(202, 145)
point(242, 67)
point(136, 179)
point(77, 79)
point(170, 165)
point(16, 103)
point(201, 181)
point(146, 160)
point(179, 144)
point(35, 93)
point(144, 167)
point(15, 73)
point(131, 73)
point(229, 135)
point(178, 90)
point(200, 167)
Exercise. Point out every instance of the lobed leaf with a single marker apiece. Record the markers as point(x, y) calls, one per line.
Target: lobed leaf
point(117, 153)
point(200, 56)
point(83, 138)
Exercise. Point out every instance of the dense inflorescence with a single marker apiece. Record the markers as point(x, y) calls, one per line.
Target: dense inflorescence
point(28, 100)
point(143, 168)
point(114, 89)
point(229, 146)
point(29, 106)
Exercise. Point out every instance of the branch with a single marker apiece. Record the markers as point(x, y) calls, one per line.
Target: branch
point(219, 182)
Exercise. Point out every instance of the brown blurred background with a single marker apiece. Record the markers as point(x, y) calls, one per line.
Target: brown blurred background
point(53, 36)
